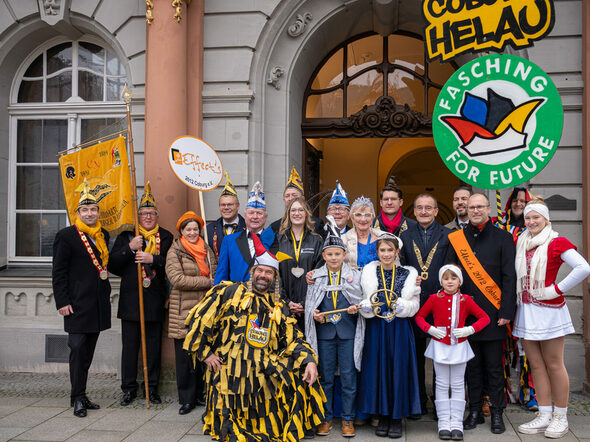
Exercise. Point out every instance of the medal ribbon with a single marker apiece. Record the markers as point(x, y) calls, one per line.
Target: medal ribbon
point(90, 252)
point(387, 298)
point(297, 246)
point(144, 275)
point(334, 293)
point(429, 258)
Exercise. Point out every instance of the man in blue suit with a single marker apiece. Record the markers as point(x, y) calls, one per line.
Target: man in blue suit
point(237, 250)
point(230, 220)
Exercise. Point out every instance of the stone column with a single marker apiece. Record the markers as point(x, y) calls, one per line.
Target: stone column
point(165, 107)
point(586, 179)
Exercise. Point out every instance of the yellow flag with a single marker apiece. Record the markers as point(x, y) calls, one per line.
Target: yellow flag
point(106, 169)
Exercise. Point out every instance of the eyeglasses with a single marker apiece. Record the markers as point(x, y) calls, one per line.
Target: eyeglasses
point(338, 209)
point(362, 215)
point(148, 214)
point(477, 208)
point(425, 208)
point(390, 200)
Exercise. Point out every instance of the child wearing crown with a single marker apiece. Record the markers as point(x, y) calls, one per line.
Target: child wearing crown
point(449, 348)
point(336, 337)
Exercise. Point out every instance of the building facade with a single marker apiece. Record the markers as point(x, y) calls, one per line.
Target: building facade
point(267, 83)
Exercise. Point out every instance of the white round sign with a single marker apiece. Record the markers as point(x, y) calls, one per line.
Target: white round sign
point(195, 163)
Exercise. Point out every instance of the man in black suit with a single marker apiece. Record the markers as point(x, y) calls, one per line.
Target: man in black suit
point(489, 254)
point(149, 248)
point(230, 220)
point(82, 291)
point(425, 247)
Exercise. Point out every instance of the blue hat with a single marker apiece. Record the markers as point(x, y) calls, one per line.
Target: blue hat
point(256, 197)
point(339, 196)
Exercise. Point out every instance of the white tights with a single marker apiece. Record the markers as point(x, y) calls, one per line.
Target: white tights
point(450, 376)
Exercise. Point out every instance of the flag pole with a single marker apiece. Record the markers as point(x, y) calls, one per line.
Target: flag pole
point(127, 98)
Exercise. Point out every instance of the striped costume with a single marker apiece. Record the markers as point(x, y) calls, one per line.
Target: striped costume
point(258, 394)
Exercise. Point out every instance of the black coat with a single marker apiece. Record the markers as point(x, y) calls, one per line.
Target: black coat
point(408, 257)
point(494, 249)
point(292, 288)
point(76, 282)
point(216, 233)
point(122, 263)
point(318, 228)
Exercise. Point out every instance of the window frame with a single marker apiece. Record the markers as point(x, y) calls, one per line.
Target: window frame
point(73, 110)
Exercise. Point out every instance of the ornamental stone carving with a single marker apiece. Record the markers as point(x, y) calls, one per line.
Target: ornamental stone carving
point(298, 27)
point(274, 75)
point(53, 11)
point(383, 119)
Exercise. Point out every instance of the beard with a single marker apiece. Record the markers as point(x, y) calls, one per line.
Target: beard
point(262, 285)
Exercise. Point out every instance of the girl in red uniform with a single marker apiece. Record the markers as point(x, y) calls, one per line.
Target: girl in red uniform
point(449, 348)
point(542, 317)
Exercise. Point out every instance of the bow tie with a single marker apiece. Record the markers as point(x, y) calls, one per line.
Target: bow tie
point(231, 227)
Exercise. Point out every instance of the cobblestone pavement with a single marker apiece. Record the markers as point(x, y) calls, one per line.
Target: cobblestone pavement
point(35, 407)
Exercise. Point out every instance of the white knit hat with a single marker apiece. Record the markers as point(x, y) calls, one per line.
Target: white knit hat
point(453, 268)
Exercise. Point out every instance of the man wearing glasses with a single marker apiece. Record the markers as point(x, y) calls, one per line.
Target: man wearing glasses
point(149, 248)
point(485, 255)
point(230, 220)
point(425, 248)
point(339, 208)
point(392, 219)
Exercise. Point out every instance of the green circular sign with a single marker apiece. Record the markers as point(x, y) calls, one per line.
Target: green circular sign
point(497, 121)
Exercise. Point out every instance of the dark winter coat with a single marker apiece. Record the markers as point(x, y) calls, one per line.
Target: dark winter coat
point(76, 282)
point(122, 263)
point(494, 249)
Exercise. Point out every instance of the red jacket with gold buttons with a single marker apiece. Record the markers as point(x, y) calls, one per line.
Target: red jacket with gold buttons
point(440, 305)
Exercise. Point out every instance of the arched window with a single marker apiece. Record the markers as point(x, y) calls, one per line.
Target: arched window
point(360, 72)
point(66, 93)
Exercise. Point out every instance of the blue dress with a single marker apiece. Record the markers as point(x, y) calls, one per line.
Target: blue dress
point(366, 253)
point(389, 372)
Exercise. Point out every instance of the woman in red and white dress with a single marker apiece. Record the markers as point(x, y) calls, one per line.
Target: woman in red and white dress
point(542, 317)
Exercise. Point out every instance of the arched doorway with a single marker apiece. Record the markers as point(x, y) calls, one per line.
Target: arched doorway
point(367, 115)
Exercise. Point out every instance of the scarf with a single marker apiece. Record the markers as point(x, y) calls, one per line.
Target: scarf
point(96, 234)
point(198, 252)
point(536, 280)
point(150, 236)
point(392, 225)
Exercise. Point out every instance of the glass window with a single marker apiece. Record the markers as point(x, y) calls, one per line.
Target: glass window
point(82, 69)
point(358, 66)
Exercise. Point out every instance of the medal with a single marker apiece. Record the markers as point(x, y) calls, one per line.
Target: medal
point(335, 318)
point(424, 266)
point(297, 272)
point(102, 272)
point(146, 282)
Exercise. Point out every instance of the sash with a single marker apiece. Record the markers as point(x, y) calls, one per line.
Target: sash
point(474, 269)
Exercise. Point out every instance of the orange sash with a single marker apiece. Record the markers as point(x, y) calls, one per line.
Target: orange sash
point(474, 269)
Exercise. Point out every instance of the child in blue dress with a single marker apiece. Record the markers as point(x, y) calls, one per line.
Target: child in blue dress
point(388, 384)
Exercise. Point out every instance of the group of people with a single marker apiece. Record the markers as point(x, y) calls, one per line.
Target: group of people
point(279, 330)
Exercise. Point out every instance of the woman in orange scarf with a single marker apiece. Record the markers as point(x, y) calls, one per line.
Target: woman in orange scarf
point(190, 267)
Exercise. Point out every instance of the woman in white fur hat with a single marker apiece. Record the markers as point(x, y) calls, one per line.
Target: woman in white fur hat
point(542, 317)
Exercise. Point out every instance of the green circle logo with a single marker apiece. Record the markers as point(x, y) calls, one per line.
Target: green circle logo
point(497, 121)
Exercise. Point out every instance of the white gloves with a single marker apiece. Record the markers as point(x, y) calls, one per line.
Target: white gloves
point(463, 332)
point(399, 308)
point(366, 306)
point(436, 333)
point(548, 293)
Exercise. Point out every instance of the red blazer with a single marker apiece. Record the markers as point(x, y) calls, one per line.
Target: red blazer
point(440, 304)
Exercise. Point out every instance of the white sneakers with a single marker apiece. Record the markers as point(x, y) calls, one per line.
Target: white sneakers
point(554, 427)
point(537, 425)
point(558, 426)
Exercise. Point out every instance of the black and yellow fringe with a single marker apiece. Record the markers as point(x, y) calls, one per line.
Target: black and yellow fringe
point(259, 393)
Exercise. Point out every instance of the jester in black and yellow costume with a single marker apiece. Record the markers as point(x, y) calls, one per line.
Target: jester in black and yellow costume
point(262, 378)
